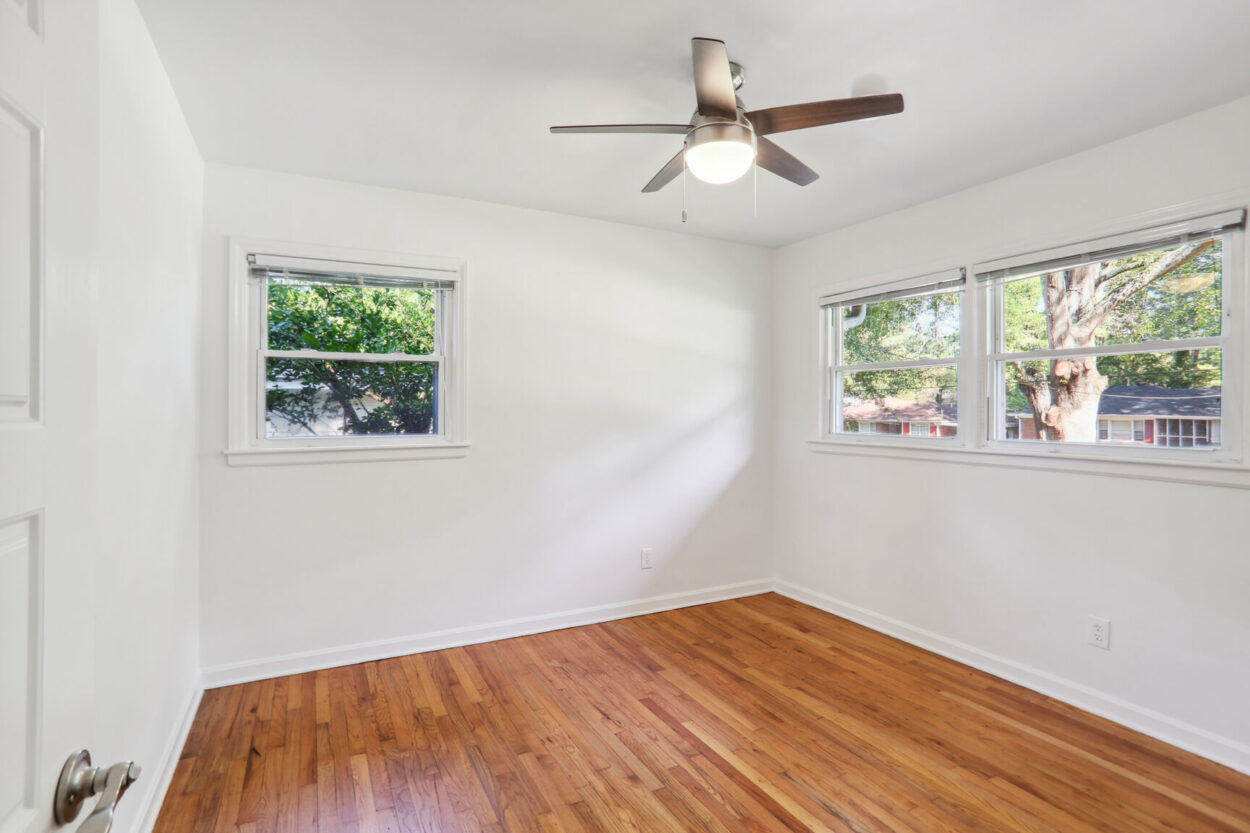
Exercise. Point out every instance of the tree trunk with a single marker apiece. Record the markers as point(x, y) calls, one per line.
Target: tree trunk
point(1076, 388)
point(1065, 401)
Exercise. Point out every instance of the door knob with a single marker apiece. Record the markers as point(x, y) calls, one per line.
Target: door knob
point(80, 780)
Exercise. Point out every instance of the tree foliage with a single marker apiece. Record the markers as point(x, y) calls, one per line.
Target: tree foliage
point(362, 397)
point(902, 330)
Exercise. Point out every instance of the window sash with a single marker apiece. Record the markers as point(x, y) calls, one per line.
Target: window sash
point(998, 416)
point(947, 281)
point(260, 414)
point(444, 304)
point(997, 357)
point(834, 328)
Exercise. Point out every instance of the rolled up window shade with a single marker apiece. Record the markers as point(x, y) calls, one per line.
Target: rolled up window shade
point(316, 270)
point(1111, 248)
point(943, 281)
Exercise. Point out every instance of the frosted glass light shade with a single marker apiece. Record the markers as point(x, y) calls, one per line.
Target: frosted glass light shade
point(720, 153)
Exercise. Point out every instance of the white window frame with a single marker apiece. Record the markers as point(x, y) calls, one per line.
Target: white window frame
point(833, 368)
point(1226, 468)
point(1228, 342)
point(247, 443)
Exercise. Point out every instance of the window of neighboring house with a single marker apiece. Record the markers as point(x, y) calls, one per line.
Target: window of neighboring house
point(893, 351)
point(1187, 433)
point(1122, 430)
point(877, 428)
point(1122, 326)
point(919, 429)
point(349, 355)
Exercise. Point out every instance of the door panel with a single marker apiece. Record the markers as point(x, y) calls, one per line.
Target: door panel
point(20, 242)
point(20, 621)
point(48, 67)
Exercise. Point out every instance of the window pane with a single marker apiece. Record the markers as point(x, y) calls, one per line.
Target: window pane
point(1162, 399)
point(1160, 295)
point(325, 398)
point(885, 399)
point(336, 318)
point(902, 329)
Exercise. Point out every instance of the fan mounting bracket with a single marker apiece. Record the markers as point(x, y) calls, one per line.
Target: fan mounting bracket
point(738, 73)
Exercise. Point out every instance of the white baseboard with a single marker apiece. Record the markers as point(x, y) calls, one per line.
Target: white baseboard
point(163, 773)
point(298, 663)
point(1191, 738)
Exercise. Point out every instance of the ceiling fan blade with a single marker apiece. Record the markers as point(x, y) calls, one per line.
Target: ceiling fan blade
point(667, 174)
point(713, 82)
point(770, 157)
point(815, 113)
point(680, 129)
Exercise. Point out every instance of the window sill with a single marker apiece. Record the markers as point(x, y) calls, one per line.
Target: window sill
point(1212, 472)
point(346, 453)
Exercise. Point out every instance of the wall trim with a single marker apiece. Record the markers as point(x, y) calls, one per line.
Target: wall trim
point(163, 773)
point(1183, 735)
point(297, 663)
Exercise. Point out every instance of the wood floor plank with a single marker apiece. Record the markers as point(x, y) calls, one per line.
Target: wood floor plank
point(758, 714)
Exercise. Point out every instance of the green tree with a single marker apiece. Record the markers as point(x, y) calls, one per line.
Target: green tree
point(366, 397)
point(1163, 294)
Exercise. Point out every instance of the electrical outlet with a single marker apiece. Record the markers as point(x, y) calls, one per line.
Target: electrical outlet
point(644, 563)
point(1098, 632)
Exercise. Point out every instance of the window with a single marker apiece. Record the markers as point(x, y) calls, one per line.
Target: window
point(1187, 433)
point(893, 358)
point(345, 355)
point(1122, 430)
point(1090, 348)
point(1128, 348)
point(864, 427)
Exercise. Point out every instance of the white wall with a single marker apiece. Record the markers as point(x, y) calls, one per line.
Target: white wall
point(1000, 566)
point(146, 365)
point(618, 398)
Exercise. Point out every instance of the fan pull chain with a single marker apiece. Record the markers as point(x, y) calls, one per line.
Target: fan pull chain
point(683, 188)
point(755, 190)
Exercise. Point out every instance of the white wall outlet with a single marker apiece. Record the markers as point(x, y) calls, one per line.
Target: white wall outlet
point(1098, 632)
point(645, 562)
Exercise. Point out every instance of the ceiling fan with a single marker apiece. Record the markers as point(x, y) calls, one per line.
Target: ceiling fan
point(723, 138)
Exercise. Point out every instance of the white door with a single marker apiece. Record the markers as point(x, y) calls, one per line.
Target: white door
point(48, 216)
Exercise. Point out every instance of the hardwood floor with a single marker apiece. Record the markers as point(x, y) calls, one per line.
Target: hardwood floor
point(759, 714)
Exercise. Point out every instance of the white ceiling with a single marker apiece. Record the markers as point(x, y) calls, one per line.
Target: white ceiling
point(455, 97)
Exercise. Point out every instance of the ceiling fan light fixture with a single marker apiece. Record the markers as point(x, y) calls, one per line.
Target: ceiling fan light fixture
point(720, 152)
